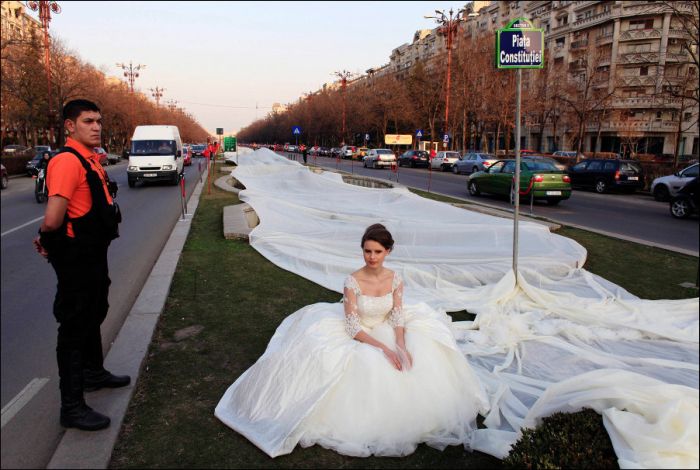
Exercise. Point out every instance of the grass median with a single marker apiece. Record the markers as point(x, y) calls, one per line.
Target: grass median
point(226, 301)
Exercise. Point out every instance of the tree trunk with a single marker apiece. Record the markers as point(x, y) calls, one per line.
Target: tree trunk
point(498, 138)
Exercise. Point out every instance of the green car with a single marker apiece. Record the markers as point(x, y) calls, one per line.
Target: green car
point(538, 176)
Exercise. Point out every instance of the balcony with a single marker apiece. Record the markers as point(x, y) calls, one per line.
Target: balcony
point(606, 38)
point(679, 34)
point(640, 58)
point(672, 57)
point(591, 20)
point(631, 127)
point(579, 45)
point(636, 34)
point(646, 102)
point(648, 80)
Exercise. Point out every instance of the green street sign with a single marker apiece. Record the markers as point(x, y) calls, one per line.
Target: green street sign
point(520, 46)
point(230, 144)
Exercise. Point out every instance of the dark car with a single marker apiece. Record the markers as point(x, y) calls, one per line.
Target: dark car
point(4, 180)
point(414, 158)
point(198, 150)
point(605, 175)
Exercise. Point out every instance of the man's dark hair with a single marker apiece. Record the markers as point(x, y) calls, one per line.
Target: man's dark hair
point(73, 108)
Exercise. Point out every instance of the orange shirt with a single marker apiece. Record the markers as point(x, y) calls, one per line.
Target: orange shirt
point(67, 178)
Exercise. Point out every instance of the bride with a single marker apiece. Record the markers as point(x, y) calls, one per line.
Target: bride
point(368, 377)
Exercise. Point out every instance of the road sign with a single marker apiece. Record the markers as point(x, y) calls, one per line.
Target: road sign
point(419, 133)
point(446, 138)
point(398, 139)
point(296, 130)
point(219, 131)
point(230, 144)
point(520, 46)
point(367, 137)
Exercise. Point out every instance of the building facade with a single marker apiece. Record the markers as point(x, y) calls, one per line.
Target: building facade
point(15, 23)
point(636, 54)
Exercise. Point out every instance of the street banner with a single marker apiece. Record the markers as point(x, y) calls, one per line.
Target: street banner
point(520, 46)
point(398, 139)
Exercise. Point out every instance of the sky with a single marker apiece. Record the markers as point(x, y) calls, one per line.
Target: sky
point(221, 60)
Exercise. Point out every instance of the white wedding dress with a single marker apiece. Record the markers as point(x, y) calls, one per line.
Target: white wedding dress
point(315, 384)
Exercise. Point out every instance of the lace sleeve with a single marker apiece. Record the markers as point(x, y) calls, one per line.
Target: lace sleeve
point(352, 320)
point(396, 316)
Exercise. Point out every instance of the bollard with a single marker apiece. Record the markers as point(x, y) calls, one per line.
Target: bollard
point(182, 196)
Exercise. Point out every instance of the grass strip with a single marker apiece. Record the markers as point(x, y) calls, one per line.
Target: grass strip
point(226, 301)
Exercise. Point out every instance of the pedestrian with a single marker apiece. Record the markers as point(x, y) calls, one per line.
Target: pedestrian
point(80, 221)
point(433, 153)
point(304, 152)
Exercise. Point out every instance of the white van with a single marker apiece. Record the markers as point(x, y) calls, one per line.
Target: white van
point(155, 155)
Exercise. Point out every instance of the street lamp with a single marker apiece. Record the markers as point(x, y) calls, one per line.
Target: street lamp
point(172, 104)
point(448, 26)
point(157, 93)
point(45, 8)
point(131, 72)
point(344, 75)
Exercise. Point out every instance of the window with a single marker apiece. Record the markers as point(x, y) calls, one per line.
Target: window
point(509, 167)
point(642, 24)
point(658, 115)
point(496, 167)
point(609, 166)
point(687, 116)
point(595, 165)
point(580, 166)
point(644, 70)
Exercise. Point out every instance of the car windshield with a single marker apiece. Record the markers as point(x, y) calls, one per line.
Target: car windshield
point(629, 166)
point(198, 147)
point(384, 152)
point(152, 147)
point(540, 165)
point(452, 155)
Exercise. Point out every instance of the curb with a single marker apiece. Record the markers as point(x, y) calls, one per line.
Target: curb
point(93, 449)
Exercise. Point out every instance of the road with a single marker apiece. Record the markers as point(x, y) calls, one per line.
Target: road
point(635, 216)
point(30, 436)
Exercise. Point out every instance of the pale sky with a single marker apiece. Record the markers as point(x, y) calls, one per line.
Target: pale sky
point(219, 59)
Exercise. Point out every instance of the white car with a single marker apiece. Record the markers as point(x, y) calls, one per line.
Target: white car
point(444, 160)
point(665, 187)
point(377, 158)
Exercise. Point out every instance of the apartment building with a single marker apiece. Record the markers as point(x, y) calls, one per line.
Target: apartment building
point(639, 50)
point(15, 23)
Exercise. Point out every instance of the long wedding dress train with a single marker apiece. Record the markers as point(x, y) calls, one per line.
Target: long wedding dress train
point(315, 384)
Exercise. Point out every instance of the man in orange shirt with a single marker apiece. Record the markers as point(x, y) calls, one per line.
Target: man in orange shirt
point(80, 221)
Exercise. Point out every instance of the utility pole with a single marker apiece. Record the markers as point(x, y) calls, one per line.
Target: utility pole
point(344, 75)
point(448, 26)
point(157, 93)
point(45, 8)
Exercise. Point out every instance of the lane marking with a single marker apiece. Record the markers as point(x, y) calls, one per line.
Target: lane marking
point(21, 226)
point(22, 398)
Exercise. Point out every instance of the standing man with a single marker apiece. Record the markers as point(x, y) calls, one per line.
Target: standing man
point(304, 152)
point(80, 221)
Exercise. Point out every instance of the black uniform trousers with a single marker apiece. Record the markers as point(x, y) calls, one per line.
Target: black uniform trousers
point(81, 302)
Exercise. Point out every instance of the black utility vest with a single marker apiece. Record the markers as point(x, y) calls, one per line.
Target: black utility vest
point(100, 225)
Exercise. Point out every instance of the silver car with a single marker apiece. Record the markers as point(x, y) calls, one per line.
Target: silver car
point(472, 162)
point(665, 187)
point(377, 158)
point(444, 160)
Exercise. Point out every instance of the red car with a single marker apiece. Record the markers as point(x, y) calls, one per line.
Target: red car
point(187, 154)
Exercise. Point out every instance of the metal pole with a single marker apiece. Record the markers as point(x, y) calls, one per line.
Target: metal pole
point(516, 184)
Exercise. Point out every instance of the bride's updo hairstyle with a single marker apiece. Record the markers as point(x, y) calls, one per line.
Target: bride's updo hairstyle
point(379, 234)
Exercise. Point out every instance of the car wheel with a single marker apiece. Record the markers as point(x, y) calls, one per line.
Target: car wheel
point(455, 170)
point(474, 169)
point(4, 182)
point(661, 193)
point(364, 163)
point(553, 202)
point(375, 165)
point(680, 208)
point(473, 188)
point(601, 186)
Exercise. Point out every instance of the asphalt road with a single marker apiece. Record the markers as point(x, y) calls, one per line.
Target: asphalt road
point(150, 212)
point(636, 216)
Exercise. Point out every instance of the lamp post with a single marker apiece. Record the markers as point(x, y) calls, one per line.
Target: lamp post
point(131, 72)
point(448, 26)
point(45, 8)
point(344, 75)
point(157, 93)
point(172, 104)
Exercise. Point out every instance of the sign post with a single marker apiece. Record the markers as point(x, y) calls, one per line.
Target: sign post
point(296, 131)
point(518, 46)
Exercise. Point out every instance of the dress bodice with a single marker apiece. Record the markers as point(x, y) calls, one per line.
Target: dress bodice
point(369, 311)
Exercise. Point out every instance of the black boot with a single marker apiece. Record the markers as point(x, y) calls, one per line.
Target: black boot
point(95, 376)
point(74, 411)
point(97, 379)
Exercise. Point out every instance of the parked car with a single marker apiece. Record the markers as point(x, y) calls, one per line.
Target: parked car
point(665, 187)
point(566, 154)
point(473, 162)
point(198, 150)
point(102, 154)
point(377, 158)
point(685, 203)
point(348, 151)
point(444, 160)
point(605, 175)
point(548, 182)
point(42, 148)
point(21, 150)
point(361, 152)
point(414, 158)
point(556, 163)
point(113, 158)
point(4, 180)
point(335, 152)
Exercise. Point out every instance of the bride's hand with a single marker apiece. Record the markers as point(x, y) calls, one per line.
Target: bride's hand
point(393, 358)
point(404, 351)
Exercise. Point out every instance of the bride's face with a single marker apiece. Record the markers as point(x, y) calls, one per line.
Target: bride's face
point(374, 254)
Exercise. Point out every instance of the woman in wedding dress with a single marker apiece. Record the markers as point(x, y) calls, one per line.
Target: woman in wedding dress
point(370, 376)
